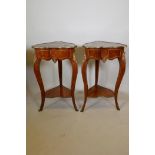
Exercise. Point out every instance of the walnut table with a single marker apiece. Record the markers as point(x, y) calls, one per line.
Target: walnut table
point(100, 50)
point(57, 51)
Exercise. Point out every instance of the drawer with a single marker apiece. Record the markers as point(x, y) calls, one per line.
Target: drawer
point(61, 53)
point(110, 53)
point(43, 53)
point(93, 53)
point(114, 53)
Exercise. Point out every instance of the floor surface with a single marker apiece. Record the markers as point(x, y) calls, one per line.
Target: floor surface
point(59, 130)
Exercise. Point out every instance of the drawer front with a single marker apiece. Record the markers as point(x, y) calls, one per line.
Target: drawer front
point(43, 54)
point(61, 53)
point(110, 53)
point(114, 53)
point(93, 53)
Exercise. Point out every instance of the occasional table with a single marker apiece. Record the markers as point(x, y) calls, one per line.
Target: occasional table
point(57, 51)
point(100, 50)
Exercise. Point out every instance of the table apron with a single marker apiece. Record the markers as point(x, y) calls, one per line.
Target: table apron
point(103, 54)
point(55, 54)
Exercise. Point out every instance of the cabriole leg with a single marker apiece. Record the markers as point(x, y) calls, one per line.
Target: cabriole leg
point(122, 65)
point(73, 82)
point(84, 76)
point(40, 82)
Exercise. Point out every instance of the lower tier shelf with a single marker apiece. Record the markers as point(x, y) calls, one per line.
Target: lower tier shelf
point(97, 91)
point(59, 91)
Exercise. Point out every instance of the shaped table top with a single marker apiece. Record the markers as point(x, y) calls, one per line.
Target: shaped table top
point(55, 44)
point(103, 44)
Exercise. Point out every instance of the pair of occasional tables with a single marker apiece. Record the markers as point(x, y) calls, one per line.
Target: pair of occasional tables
point(98, 50)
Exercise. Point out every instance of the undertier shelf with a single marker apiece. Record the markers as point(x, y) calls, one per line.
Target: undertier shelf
point(97, 91)
point(59, 91)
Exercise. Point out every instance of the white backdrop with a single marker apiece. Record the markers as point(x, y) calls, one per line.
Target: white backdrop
point(79, 21)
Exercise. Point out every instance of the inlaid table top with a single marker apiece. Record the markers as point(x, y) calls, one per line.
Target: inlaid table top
point(55, 44)
point(103, 44)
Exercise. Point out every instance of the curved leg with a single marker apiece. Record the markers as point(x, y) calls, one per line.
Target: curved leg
point(96, 71)
point(84, 76)
point(40, 82)
point(122, 64)
point(74, 76)
point(60, 75)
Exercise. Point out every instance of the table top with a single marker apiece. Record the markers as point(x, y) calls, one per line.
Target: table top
point(55, 44)
point(103, 44)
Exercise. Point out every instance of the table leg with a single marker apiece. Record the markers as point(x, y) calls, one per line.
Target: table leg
point(40, 82)
point(122, 65)
point(74, 76)
point(60, 75)
point(96, 71)
point(84, 76)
